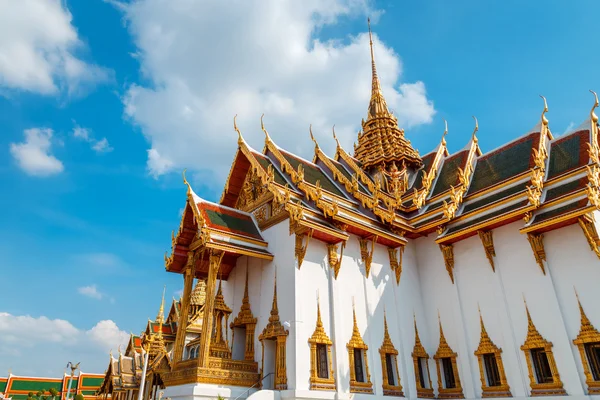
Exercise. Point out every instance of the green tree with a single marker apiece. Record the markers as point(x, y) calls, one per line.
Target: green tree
point(79, 397)
point(53, 392)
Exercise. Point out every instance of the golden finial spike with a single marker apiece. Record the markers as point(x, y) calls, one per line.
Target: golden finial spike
point(476, 126)
point(312, 137)
point(262, 126)
point(593, 115)
point(544, 119)
point(235, 127)
point(160, 317)
point(445, 129)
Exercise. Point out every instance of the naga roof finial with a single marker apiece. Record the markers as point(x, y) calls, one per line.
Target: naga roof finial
point(544, 119)
point(476, 127)
point(235, 127)
point(262, 126)
point(593, 115)
point(335, 136)
point(312, 137)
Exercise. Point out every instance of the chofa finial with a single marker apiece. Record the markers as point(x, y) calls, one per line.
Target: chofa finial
point(262, 126)
point(312, 137)
point(476, 128)
point(185, 182)
point(445, 129)
point(235, 127)
point(335, 136)
point(544, 119)
point(593, 115)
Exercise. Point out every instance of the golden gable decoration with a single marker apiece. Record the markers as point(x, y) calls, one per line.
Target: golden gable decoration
point(417, 354)
point(319, 337)
point(539, 350)
point(445, 352)
point(387, 350)
point(488, 348)
point(587, 341)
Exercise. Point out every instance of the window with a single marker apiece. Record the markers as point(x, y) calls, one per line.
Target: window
point(358, 366)
point(592, 351)
point(322, 367)
point(541, 366)
point(389, 365)
point(449, 382)
point(422, 370)
point(491, 370)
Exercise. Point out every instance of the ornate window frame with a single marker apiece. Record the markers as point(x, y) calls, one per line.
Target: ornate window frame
point(444, 351)
point(486, 346)
point(587, 334)
point(319, 337)
point(357, 343)
point(534, 340)
point(245, 319)
point(387, 348)
point(418, 353)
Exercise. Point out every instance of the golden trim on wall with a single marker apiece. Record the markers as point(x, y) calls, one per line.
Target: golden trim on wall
point(245, 319)
point(448, 253)
point(319, 337)
point(586, 222)
point(444, 352)
point(588, 335)
point(302, 246)
point(396, 261)
point(335, 261)
point(488, 348)
point(535, 342)
point(537, 246)
point(417, 354)
point(387, 350)
point(488, 246)
point(366, 255)
point(357, 343)
point(275, 331)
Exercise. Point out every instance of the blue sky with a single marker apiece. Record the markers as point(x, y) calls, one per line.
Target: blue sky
point(89, 206)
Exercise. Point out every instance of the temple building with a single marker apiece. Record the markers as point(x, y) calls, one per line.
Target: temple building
point(17, 387)
point(386, 272)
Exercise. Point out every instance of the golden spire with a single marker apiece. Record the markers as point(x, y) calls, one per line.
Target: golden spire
point(442, 337)
point(319, 321)
point(593, 115)
point(473, 136)
point(262, 126)
point(235, 127)
point(484, 334)
point(377, 105)
point(386, 334)
point(274, 310)
point(586, 325)
point(246, 299)
point(160, 317)
point(312, 137)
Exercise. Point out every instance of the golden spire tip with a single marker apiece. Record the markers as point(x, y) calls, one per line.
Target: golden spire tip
point(185, 182)
point(476, 125)
point(235, 127)
point(445, 129)
point(592, 113)
point(312, 137)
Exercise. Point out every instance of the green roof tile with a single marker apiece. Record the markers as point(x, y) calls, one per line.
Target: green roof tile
point(449, 173)
point(312, 174)
point(504, 163)
point(494, 197)
point(568, 153)
point(557, 212)
point(486, 217)
point(265, 162)
point(565, 188)
point(231, 223)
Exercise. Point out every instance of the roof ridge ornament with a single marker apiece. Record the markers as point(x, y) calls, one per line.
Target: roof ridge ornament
point(312, 137)
point(474, 136)
point(235, 127)
point(262, 126)
point(544, 119)
point(593, 115)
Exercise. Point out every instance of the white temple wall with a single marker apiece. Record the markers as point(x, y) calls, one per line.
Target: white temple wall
point(574, 268)
point(522, 277)
point(439, 294)
point(312, 280)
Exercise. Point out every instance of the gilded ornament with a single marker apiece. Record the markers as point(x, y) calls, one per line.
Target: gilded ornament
point(387, 348)
point(488, 245)
point(417, 354)
point(537, 246)
point(591, 234)
point(335, 262)
point(245, 319)
point(395, 256)
point(487, 347)
point(319, 337)
point(448, 253)
point(535, 341)
point(587, 335)
point(366, 255)
point(302, 246)
point(444, 351)
point(357, 343)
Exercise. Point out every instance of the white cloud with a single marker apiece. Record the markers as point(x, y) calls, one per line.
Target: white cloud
point(24, 338)
point(85, 134)
point(37, 49)
point(569, 128)
point(33, 155)
point(90, 291)
point(208, 61)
